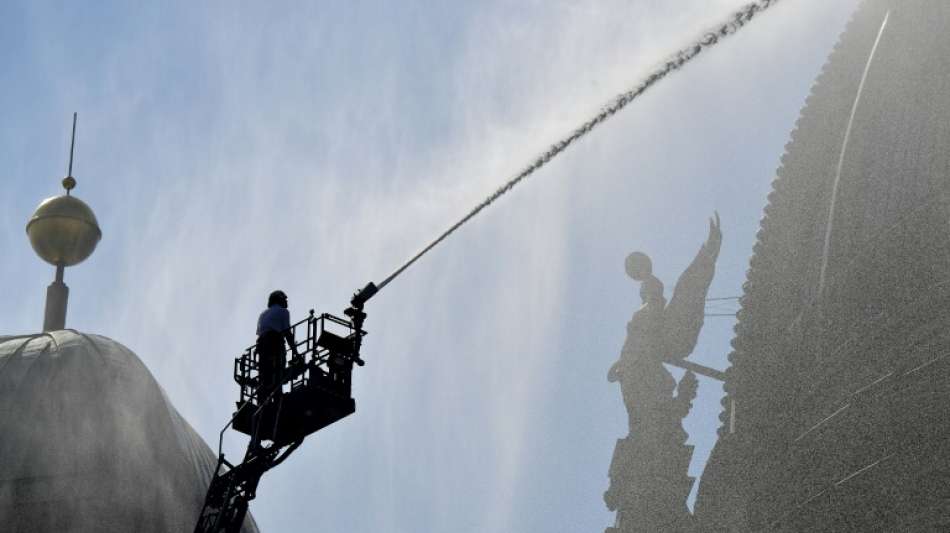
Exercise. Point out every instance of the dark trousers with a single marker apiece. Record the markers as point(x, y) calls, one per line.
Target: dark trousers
point(271, 361)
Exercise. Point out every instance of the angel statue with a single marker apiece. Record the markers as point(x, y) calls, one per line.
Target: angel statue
point(661, 332)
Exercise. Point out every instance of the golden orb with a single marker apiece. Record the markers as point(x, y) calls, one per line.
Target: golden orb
point(63, 230)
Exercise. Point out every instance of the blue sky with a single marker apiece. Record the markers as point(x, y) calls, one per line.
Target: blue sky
point(232, 148)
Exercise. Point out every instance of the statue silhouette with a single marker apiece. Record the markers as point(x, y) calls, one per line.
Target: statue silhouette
point(649, 485)
point(659, 332)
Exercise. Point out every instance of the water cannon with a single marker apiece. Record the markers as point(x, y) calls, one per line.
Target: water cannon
point(355, 310)
point(363, 295)
point(357, 316)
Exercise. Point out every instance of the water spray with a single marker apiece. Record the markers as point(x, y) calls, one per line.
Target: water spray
point(284, 419)
point(709, 39)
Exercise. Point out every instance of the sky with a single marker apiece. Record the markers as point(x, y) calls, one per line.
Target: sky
point(233, 148)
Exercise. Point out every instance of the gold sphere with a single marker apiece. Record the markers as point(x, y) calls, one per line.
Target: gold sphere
point(63, 230)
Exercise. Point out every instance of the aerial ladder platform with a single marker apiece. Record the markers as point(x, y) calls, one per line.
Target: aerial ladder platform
point(314, 392)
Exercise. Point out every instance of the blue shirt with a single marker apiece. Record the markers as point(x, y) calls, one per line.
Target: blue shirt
point(274, 318)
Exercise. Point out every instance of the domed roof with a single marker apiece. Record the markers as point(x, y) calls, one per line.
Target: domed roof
point(63, 230)
point(91, 443)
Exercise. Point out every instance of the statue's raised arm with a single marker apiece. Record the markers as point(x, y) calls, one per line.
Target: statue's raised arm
point(684, 314)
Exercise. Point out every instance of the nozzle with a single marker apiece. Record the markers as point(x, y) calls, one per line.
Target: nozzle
point(363, 295)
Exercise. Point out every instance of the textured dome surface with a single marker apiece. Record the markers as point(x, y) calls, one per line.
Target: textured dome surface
point(838, 409)
point(89, 441)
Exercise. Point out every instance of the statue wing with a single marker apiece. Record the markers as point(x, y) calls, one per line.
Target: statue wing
point(684, 314)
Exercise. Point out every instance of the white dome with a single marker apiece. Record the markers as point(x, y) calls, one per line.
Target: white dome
point(91, 443)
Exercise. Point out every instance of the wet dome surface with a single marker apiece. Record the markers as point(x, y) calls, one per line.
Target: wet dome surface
point(90, 442)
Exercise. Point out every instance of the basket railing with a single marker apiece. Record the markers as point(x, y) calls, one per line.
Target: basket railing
point(323, 343)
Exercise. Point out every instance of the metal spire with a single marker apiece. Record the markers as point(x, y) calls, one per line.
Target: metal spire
point(69, 182)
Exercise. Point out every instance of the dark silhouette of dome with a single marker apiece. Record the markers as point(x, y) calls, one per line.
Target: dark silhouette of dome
point(90, 442)
point(838, 395)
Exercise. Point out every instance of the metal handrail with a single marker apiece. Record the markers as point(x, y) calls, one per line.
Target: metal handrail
point(238, 412)
point(318, 356)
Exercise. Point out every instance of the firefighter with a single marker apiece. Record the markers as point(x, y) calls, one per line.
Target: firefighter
point(273, 328)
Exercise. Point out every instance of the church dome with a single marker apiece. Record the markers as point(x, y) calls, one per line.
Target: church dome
point(91, 443)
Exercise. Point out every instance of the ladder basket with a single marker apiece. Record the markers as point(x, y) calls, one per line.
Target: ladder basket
point(314, 390)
